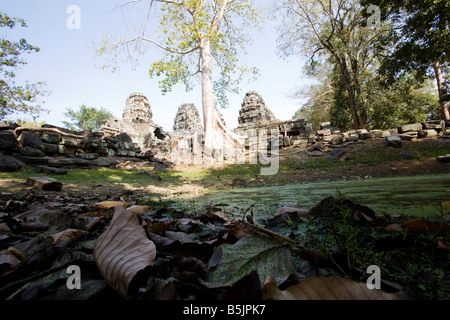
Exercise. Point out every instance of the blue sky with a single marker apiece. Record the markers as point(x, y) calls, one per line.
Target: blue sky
point(67, 64)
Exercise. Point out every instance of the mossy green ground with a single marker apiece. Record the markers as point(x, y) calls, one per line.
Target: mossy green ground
point(415, 196)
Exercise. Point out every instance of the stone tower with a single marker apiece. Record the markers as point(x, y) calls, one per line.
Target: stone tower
point(187, 118)
point(254, 110)
point(137, 109)
point(138, 124)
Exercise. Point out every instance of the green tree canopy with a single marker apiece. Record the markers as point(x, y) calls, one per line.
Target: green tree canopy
point(15, 98)
point(87, 118)
point(421, 43)
point(335, 31)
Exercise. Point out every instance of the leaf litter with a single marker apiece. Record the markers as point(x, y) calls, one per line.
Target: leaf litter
point(136, 251)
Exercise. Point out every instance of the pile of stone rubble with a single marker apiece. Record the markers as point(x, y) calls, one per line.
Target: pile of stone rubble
point(51, 148)
point(393, 137)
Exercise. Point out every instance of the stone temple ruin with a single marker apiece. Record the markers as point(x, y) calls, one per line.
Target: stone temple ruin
point(138, 124)
point(136, 137)
point(187, 120)
point(255, 118)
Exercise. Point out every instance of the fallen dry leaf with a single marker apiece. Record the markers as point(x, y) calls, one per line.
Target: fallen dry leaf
point(68, 234)
point(322, 288)
point(16, 253)
point(4, 227)
point(425, 225)
point(443, 244)
point(359, 216)
point(92, 214)
point(446, 204)
point(123, 250)
point(138, 210)
point(394, 227)
point(303, 213)
point(110, 204)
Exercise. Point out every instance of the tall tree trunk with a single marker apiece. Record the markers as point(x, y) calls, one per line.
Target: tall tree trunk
point(217, 136)
point(351, 93)
point(445, 115)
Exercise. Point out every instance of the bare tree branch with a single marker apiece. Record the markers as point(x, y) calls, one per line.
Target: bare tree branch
point(139, 37)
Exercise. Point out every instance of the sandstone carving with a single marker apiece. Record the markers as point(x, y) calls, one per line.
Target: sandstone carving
point(255, 119)
point(254, 110)
point(187, 119)
point(138, 124)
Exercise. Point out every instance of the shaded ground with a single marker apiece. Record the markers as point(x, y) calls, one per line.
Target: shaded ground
point(367, 159)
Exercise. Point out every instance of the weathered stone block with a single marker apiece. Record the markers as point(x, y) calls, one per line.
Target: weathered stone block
point(45, 183)
point(430, 133)
point(88, 156)
point(30, 151)
point(393, 131)
point(324, 125)
point(408, 136)
point(28, 138)
point(102, 150)
point(54, 162)
point(298, 143)
point(50, 137)
point(131, 153)
point(74, 162)
point(63, 149)
point(50, 170)
point(69, 141)
point(364, 135)
point(112, 152)
point(122, 153)
point(50, 148)
point(393, 141)
point(35, 160)
point(10, 164)
point(336, 154)
point(337, 140)
point(445, 158)
point(360, 131)
point(410, 127)
point(375, 134)
point(128, 145)
point(100, 163)
point(324, 132)
point(385, 133)
point(8, 139)
point(436, 125)
point(352, 139)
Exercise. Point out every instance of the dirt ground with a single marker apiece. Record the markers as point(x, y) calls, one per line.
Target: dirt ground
point(292, 172)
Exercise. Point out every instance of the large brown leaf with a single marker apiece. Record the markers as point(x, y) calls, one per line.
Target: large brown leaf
point(68, 234)
point(123, 250)
point(322, 288)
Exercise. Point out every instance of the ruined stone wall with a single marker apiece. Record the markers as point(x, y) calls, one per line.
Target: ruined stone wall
point(58, 147)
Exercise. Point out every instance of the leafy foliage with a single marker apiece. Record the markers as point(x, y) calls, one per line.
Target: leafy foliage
point(182, 26)
point(404, 101)
point(87, 118)
point(334, 31)
point(347, 59)
point(419, 43)
point(15, 98)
